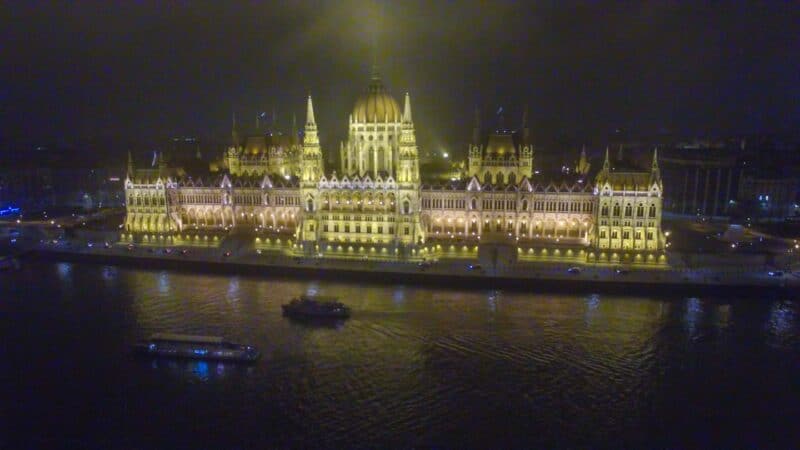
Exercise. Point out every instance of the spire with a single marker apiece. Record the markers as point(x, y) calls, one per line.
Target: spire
point(407, 109)
point(234, 133)
point(606, 163)
point(655, 159)
point(583, 163)
point(619, 153)
point(476, 129)
point(310, 113)
point(294, 128)
point(130, 164)
point(525, 131)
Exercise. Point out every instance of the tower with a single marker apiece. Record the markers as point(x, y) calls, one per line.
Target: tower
point(582, 168)
point(475, 146)
point(408, 170)
point(311, 164)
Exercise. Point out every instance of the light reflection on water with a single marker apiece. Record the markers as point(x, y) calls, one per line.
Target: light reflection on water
point(414, 366)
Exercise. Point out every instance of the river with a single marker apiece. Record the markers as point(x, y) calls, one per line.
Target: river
point(414, 367)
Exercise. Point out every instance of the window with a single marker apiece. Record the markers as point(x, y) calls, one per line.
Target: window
point(628, 210)
point(604, 211)
point(602, 234)
point(640, 211)
point(310, 205)
point(626, 235)
point(613, 235)
point(407, 231)
point(406, 207)
point(616, 210)
point(380, 229)
point(347, 228)
point(325, 228)
point(358, 228)
point(524, 205)
point(649, 235)
point(336, 228)
point(652, 211)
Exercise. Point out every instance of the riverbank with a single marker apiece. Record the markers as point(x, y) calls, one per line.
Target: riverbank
point(520, 276)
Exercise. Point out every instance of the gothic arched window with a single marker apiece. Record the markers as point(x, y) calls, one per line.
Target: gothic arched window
point(499, 178)
point(512, 178)
point(524, 205)
point(406, 207)
point(628, 210)
point(310, 205)
point(487, 177)
point(616, 210)
point(652, 211)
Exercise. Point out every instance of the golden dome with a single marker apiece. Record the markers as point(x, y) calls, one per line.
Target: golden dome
point(376, 104)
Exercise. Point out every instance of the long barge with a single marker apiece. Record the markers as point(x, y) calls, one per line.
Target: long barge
point(195, 347)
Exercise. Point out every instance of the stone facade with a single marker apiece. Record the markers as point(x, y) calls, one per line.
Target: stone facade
point(377, 205)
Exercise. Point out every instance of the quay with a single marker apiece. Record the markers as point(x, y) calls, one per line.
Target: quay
point(522, 275)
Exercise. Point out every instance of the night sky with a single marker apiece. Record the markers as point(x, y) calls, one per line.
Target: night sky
point(138, 72)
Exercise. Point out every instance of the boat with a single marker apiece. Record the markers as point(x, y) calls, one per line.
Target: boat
point(195, 347)
point(316, 307)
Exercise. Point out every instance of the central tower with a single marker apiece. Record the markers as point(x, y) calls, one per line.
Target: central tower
point(373, 142)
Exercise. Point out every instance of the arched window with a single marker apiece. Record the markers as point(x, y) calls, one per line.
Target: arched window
point(499, 178)
point(616, 210)
point(487, 177)
point(524, 205)
point(406, 207)
point(628, 210)
point(652, 211)
point(474, 203)
point(604, 211)
point(640, 211)
point(310, 205)
point(512, 178)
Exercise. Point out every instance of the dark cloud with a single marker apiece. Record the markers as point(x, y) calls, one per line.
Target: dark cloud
point(144, 70)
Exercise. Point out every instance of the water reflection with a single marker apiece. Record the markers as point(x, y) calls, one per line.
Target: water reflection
point(399, 296)
point(781, 320)
point(592, 306)
point(233, 289)
point(693, 316)
point(163, 282)
point(411, 359)
point(64, 272)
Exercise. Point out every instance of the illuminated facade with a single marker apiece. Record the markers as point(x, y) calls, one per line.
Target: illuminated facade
point(375, 205)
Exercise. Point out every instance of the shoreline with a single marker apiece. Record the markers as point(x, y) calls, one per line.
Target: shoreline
point(409, 273)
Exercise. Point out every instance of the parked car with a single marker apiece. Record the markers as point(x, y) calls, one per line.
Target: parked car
point(574, 270)
point(621, 271)
point(775, 273)
point(474, 267)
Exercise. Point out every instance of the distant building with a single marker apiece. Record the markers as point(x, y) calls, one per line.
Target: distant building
point(700, 181)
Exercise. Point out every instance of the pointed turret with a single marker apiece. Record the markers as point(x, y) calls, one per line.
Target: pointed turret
point(655, 172)
point(130, 165)
point(310, 113)
point(407, 109)
point(524, 127)
point(293, 139)
point(655, 160)
point(234, 133)
point(476, 128)
point(606, 162)
point(583, 163)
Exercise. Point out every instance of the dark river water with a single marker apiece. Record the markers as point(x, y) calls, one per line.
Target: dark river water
point(414, 366)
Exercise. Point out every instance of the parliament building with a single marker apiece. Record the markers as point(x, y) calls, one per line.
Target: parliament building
point(275, 192)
